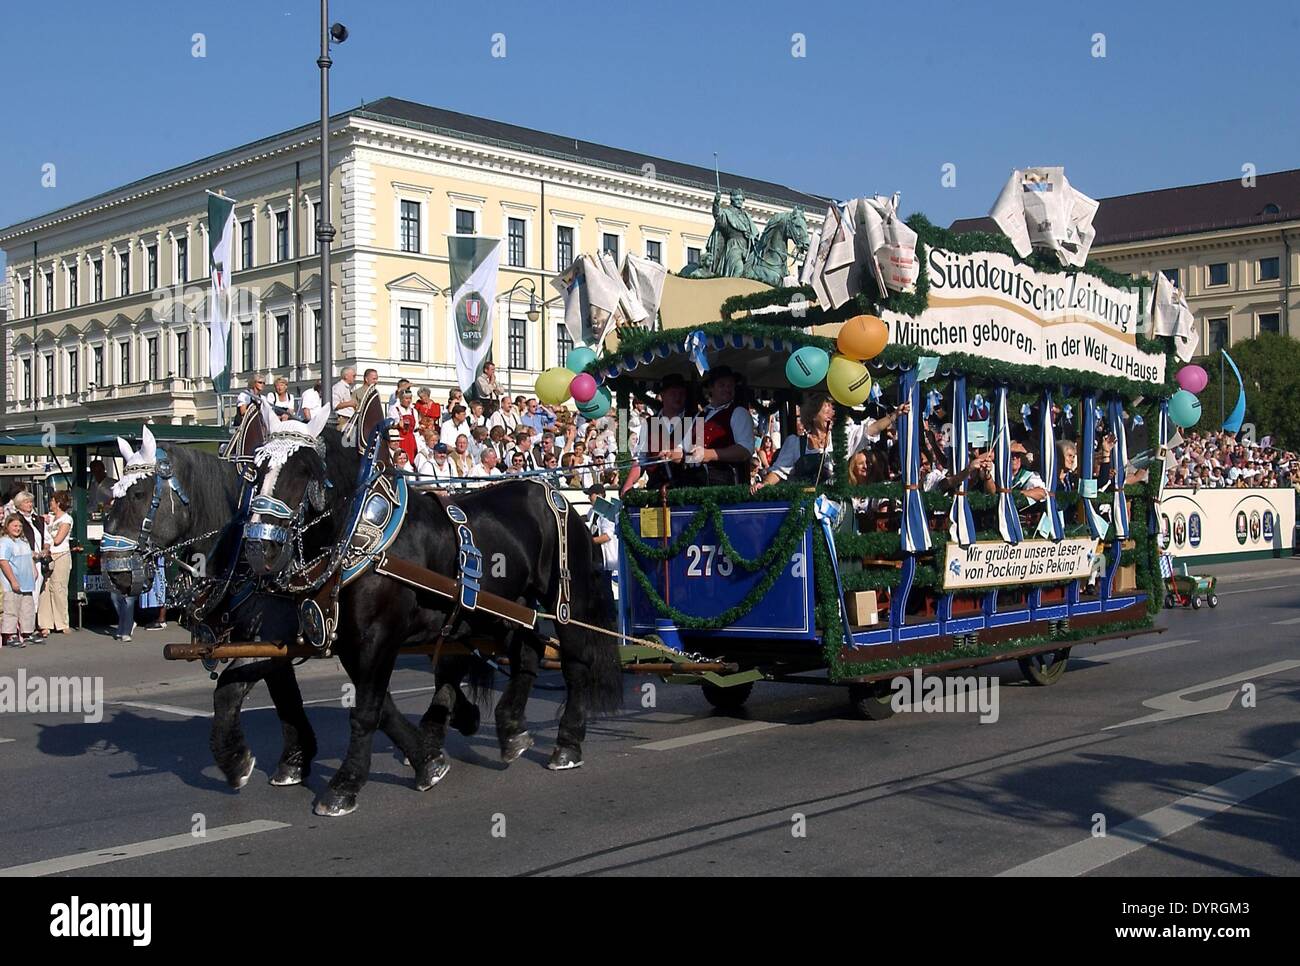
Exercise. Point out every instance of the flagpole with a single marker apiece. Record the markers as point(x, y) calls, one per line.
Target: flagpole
point(324, 226)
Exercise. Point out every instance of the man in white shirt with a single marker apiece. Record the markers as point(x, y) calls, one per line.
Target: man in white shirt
point(488, 468)
point(456, 425)
point(256, 387)
point(341, 395)
point(486, 387)
point(603, 534)
point(309, 403)
point(436, 467)
point(728, 440)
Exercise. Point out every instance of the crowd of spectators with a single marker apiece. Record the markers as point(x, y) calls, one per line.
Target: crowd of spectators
point(1220, 459)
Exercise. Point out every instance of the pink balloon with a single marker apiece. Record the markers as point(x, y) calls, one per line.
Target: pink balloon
point(1192, 378)
point(583, 388)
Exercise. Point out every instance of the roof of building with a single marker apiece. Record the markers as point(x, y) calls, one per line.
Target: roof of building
point(483, 130)
point(1186, 210)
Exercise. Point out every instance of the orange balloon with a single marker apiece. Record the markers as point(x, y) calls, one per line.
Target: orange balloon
point(863, 337)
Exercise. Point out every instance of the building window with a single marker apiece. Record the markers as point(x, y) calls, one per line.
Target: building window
point(409, 324)
point(282, 340)
point(518, 344)
point(563, 247)
point(410, 226)
point(515, 242)
point(282, 235)
point(464, 222)
point(246, 349)
point(182, 259)
point(1218, 273)
point(151, 259)
point(97, 279)
point(609, 243)
point(315, 335)
point(27, 298)
point(97, 365)
point(183, 354)
point(74, 375)
point(692, 256)
point(246, 243)
point(654, 251)
point(563, 341)
point(151, 357)
point(1174, 276)
point(27, 378)
point(1218, 334)
point(1270, 322)
point(124, 362)
point(49, 290)
point(48, 360)
point(73, 295)
point(124, 273)
point(1269, 269)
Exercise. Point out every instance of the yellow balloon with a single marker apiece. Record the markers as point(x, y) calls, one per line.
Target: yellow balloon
point(553, 385)
point(848, 381)
point(863, 337)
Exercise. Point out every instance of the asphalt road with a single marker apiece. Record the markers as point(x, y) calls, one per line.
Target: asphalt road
point(793, 785)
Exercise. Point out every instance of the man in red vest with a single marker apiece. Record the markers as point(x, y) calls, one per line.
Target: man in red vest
point(728, 441)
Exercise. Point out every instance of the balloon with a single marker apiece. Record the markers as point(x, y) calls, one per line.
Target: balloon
point(582, 388)
point(1184, 409)
point(863, 337)
point(579, 358)
point(807, 367)
point(553, 385)
point(848, 381)
point(1192, 378)
point(598, 406)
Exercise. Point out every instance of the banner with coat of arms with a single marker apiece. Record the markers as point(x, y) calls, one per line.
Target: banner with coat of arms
point(474, 262)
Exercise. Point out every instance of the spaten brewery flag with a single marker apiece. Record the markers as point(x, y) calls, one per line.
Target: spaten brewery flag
point(474, 262)
point(221, 245)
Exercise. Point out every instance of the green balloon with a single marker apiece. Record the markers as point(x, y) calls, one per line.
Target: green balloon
point(579, 358)
point(1184, 409)
point(598, 405)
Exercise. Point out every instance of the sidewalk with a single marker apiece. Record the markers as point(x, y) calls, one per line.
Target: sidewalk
point(1231, 573)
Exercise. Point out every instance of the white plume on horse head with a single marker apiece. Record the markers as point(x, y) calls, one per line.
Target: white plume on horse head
point(269, 422)
point(148, 445)
point(125, 448)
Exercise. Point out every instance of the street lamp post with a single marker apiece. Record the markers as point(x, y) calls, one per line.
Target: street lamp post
point(324, 226)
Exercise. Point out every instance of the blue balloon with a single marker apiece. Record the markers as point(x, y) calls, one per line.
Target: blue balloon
point(579, 358)
point(598, 405)
point(807, 367)
point(1184, 409)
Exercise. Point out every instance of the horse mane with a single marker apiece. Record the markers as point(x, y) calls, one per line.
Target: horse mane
point(211, 484)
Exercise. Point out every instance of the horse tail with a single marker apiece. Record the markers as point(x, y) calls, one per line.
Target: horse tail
point(594, 604)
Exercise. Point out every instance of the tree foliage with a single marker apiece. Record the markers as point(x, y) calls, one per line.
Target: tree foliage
point(1270, 369)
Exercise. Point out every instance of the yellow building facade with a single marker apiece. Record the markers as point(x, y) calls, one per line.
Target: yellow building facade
point(107, 298)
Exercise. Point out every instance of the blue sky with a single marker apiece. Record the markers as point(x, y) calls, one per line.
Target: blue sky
point(887, 94)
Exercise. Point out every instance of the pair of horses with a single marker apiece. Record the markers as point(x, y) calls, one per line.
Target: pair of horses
point(315, 482)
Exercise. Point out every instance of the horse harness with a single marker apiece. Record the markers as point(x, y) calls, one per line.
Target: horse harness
point(137, 556)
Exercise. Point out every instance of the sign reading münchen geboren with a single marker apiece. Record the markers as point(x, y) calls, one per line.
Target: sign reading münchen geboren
point(986, 304)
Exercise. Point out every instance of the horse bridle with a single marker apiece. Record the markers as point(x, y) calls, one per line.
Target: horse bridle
point(294, 521)
point(136, 557)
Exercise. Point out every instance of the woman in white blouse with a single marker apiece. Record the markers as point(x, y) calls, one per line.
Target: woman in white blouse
point(52, 612)
point(807, 459)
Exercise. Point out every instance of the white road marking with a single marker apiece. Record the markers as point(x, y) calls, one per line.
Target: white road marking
point(86, 860)
point(165, 708)
point(1293, 620)
point(5, 741)
point(716, 735)
point(1174, 705)
point(1093, 853)
point(337, 700)
point(1254, 590)
point(1144, 649)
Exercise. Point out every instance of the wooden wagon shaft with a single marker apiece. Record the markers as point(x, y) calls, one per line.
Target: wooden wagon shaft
point(265, 649)
point(449, 587)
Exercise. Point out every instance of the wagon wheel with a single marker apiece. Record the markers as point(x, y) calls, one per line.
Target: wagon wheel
point(1046, 668)
point(872, 701)
point(731, 698)
point(1196, 603)
point(1169, 600)
point(1214, 600)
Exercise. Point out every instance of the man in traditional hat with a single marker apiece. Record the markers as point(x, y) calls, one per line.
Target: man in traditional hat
point(728, 442)
point(666, 436)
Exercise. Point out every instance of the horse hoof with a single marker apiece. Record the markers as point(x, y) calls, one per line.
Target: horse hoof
point(562, 759)
point(332, 804)
point(465, 719)
point(238, 777)
point(288, 774)
point(515, 746)
point(431, 772)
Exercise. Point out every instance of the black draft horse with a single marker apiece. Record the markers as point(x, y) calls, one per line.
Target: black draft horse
point(212, 490)
point(516, 531)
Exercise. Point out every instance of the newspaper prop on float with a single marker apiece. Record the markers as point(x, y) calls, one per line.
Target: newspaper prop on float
point(863, 232)
point(597, 298)
point(1039, 208)
point(1171, 316)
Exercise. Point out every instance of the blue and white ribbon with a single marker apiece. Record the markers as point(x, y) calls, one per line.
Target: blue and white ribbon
point(877, 394)
point(915, 531)
point(1008, 518)
point(827, 512)
point(1047, 446)
point(962, 527)
point(933, 399)
point(1119, 460)
point(1026, 417)
point(695, 346)
point(1098, 525)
